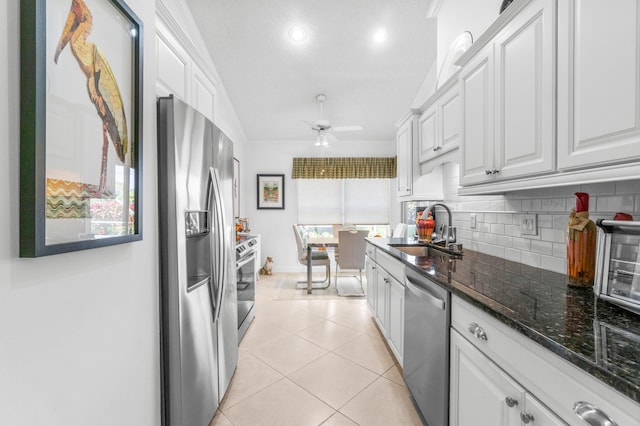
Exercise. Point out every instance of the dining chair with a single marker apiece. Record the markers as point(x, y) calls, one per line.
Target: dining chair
point(352, 251)
point(400, 231)
point(318, 258)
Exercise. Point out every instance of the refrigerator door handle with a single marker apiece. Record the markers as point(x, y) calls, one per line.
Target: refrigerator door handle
point(216, 205)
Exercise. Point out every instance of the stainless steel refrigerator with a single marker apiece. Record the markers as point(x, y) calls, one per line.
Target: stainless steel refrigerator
point(198, 302)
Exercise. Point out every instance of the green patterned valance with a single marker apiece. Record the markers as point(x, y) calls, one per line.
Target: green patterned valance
point(344, 168)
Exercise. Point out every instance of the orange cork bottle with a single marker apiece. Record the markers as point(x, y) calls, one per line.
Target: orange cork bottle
point(581, 244)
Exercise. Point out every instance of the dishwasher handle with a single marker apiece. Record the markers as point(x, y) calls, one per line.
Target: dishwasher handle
point(421, 291)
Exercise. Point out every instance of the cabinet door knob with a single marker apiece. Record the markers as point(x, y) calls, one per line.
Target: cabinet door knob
point(592, 415)
point(510, 401)
point(488, 172)
point(526, 417)
point(472, 327)
point(495, 171)
point(437, 148)
point(480, 334)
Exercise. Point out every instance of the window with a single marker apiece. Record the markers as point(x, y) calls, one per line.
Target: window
point(337, 201)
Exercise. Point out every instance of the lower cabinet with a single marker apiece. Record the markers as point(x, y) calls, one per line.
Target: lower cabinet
point(500, 377)
point(482, 393)
point(395, 323)
point(372, 285)
point(385, 297)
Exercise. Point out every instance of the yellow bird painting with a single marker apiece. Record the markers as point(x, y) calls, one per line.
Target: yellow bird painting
point(102, 86)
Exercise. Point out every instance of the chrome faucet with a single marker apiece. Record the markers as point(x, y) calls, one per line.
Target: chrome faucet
point(448, 234)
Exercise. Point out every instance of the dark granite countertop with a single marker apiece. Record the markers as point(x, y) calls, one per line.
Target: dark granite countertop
point(595, 336)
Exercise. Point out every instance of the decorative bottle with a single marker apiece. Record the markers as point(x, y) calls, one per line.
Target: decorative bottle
point(581, 244)
point(425, 227)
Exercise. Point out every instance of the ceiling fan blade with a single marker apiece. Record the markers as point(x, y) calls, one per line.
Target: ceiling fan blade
point(331, 138)
point(353, 128)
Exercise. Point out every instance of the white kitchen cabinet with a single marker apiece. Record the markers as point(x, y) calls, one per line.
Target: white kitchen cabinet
point(404, 147)
point(372, 285)
point(479, 389)
point(476, 94)
point(481, 344)
point(482, 393)
point(385, 297)
point(381, 307)
point(508, 91)
point(439, 126)
point(598, 84)
point(395, 316)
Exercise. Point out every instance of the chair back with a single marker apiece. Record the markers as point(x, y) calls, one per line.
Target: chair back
point(400, 231)
point(352, 249)
point(301, 254)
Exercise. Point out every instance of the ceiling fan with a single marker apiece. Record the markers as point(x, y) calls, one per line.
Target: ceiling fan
point(322, 127)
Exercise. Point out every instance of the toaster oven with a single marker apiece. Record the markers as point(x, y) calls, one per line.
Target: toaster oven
point(617, 277)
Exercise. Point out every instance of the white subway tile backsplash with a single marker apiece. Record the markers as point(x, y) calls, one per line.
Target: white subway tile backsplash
point(497, 228)
point(604, 188)
point(505, 218)
point(553, 264)
point(560, 221)
point(512, 254)
point(512, 230)
point(628, 187)
point(513, 205)
point(498, 219)
point(531, 205)
point(615, 203)
point(521, 244)
point(553, 205)
point(542, 247)
point(504, 241)
point(552, 235)
point(560, 250)
point(545, 221)
point(531, 259)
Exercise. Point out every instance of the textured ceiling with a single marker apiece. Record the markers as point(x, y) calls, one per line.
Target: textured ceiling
point(272, 83)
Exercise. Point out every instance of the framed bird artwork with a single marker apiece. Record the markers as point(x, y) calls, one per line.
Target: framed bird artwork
point(81, 125)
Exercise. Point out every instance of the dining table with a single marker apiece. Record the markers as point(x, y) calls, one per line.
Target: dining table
point(317, 242)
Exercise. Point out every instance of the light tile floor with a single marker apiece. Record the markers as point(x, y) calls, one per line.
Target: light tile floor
point(314, 360)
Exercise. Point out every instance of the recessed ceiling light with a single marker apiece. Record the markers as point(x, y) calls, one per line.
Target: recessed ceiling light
point(297, 34)
point(380, 36)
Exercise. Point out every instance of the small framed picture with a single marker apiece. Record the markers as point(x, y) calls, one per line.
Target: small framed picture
point(271, 192)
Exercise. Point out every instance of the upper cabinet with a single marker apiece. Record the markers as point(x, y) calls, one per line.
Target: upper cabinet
point(404, 141)
point(507, 95)
point(598, 83)
point(439, 126)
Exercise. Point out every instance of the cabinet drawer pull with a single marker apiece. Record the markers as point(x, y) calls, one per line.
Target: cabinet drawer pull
point(495, 171)
point(488, 172)
point(592, 415)
point(477, 331)
point(526, 417)
point(510, 402)
point(437, 148)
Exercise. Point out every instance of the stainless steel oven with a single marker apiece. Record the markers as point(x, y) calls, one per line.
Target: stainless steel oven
point(618, 263)
point(246, 283)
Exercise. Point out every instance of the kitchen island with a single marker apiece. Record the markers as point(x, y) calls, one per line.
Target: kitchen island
point(592, 335)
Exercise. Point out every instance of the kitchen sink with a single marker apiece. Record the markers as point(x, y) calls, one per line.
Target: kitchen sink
point(424, 249)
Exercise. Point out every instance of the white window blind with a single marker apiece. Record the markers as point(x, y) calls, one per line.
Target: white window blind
point(336, 201)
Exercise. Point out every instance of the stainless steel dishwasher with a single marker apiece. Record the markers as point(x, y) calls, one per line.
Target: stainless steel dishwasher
point(426, 346)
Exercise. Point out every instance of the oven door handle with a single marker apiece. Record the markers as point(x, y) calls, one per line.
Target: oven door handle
point(245, 259)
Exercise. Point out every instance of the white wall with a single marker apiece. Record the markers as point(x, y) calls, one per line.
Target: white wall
point(274, 226)
point(78, 331)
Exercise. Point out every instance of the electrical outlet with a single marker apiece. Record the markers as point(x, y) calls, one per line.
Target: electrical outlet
point(473, 221)
point(529, 224)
